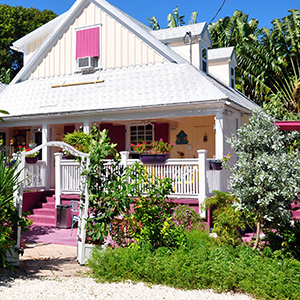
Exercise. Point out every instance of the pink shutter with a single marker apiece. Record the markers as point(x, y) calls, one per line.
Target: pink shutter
point(161, 131)
point(87, 42)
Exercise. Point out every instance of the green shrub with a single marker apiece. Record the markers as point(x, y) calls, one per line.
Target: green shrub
point(202, 264)
point(187, 218)
point(284, 238)
point(152, 218)
point(79, 140)
point(227, 219)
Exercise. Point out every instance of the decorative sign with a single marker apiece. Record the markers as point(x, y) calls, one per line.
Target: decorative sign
point(181, 138)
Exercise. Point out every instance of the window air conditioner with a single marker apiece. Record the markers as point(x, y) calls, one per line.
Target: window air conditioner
point(87, 63)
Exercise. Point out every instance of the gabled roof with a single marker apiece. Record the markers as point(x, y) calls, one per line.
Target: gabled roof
point(222, 54)
point(20, 44)
point(160, 85)
point(61, 25)
point(176, 34)
point(171, 84)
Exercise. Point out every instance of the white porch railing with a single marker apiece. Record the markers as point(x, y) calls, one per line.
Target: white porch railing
point(35, 176)
point(183, 172)
point(191, 177)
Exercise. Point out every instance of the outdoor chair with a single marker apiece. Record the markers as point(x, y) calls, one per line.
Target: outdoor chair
point(74, 207)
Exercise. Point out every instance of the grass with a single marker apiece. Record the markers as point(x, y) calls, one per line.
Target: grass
point(202, 265)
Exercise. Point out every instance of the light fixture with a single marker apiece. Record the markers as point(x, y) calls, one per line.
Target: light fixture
point(173, 127)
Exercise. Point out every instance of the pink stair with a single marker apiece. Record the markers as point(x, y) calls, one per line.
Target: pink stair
point(45, 213)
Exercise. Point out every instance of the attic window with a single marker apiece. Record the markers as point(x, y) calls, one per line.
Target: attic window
point(87, 42)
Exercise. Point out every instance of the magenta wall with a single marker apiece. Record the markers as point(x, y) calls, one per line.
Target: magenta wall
point(30, 199)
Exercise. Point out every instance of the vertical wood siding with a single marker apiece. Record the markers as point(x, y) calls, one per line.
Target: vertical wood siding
point(118, 46)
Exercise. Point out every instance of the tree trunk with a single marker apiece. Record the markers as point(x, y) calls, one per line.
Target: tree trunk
point(258, 226)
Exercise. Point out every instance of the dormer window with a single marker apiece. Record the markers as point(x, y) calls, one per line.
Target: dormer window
point(87, 48)
point(204, 59)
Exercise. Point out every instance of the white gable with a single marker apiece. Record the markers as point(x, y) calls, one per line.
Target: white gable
point(123, 42)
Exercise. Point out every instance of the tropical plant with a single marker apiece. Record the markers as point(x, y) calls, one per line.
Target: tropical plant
point(9, 215)
point(264, 179)
point(268, 59)
point(174, 20)
point(80, 140)
point(110, 194)
point(153, 23)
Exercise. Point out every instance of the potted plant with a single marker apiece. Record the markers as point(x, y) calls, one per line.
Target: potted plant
point(215, 164)
point(155, 152)
point(79, 140)
point(29, 158)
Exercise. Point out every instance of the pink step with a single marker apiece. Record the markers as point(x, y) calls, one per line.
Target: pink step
point(44, 211)
point(43, 220)
point(50, 199)
point(48, 205)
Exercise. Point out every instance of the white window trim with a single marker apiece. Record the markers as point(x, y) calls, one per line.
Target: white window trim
point(138, 124)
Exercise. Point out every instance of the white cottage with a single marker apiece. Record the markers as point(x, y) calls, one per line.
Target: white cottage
point(95, 64)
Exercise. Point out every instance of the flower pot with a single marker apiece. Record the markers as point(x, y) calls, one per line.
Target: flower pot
point(215, 165)
point(153, 158)
point(31, 160)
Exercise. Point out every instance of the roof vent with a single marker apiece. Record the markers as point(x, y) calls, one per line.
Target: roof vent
point(87, 63)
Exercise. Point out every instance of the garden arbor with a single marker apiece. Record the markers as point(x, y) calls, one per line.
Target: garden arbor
point(84, 199)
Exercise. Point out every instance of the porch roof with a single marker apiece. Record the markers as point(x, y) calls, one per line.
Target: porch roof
point(158, 85)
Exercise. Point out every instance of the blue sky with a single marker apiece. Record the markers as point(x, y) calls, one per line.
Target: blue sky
point(264, 10)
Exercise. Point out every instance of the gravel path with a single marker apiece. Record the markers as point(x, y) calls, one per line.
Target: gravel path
point(78, 288)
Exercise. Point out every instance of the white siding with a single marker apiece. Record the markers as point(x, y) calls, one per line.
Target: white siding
point(220, 70)
point(118, 46)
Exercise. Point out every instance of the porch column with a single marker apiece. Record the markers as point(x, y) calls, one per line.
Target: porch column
point(219, 135)
point(202, 180)
point(124, 157)
point(46, 155)
point(86, 127)
point(58, 158)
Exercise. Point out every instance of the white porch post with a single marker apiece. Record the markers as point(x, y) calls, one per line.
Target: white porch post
point(219, 139)
point(86, 127)
point(202, 179)
point(46, 155)
point(124, 157)
point(58, 158)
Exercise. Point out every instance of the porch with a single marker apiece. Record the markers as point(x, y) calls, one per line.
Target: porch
point(193, 180)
